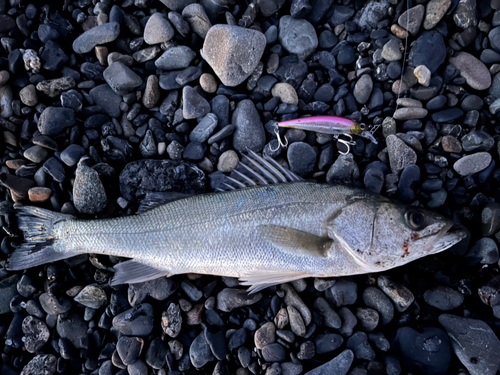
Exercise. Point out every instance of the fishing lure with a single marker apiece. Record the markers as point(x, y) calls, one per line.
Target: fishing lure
point(330, 125)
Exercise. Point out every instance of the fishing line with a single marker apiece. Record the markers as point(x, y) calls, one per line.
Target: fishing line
point(404, 52)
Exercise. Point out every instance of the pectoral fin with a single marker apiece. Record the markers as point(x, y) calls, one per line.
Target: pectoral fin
point(262, 279)
point(131, 272)
point(295, 241)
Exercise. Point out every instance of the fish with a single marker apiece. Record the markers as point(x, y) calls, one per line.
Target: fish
point(265, 226)
point(331, 125)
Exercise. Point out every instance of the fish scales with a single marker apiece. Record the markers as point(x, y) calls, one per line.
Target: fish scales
point(213, 233)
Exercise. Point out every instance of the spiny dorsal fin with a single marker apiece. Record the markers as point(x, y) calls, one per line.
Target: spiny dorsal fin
point(254, 170)
point(132, 272)
point(295, 241)
point(155, 199)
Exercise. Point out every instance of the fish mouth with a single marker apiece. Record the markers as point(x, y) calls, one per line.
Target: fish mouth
point(444, 239)
point(437, 237)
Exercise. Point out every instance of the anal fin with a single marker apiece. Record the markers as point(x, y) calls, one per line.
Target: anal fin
point(296, 241)
point(131, 272)
point(262, 279)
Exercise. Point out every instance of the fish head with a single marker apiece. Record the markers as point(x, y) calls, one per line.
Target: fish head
point(380, 234)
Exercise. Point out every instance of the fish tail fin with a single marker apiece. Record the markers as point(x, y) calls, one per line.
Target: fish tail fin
point(39, 241)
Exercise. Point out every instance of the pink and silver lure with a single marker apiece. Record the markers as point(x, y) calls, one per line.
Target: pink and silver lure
point(331, 125)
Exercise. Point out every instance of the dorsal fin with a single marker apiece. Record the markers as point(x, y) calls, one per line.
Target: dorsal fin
point(253, 170)
point(156, 199)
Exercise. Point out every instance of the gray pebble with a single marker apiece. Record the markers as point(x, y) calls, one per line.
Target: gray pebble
point(443, 298)
point(332, 319)
point(360, 346)
point(399, 294)
point(296, 322)
point(98, 35)
point(273, 353)
point(194, 105)
point(92, 296)
point(368, 318)
point(363, 89)
point(89, 195)
point(342, 293)
point(121, 78)
point(400, 155)
point(374, 298)
point(249, 133)
point(297, 36)
point(484, 251)
point(473, 163)
point(204, 129)
point(293, 299)
point(338, 365)
point(229, 299)
point(158, 29)
point(301, 158)
point(36, 334)
point(200, 352)
point(197, 18)
point(265, 335)
point(178, 57)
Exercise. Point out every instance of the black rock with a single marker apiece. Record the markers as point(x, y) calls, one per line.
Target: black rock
point(54, 120)
point(53, 56)
point(194, 151)
point(428, 352)
point(137, 321)
point(273, 353)
point(408, 183)
point(199, 351)
point(143, 176)
point(72, 327)
point(155, 355)
point(429, 50)
point(326, 343)
point(448, 115)
point(302, 158)
point(129, 349)
point(237, 339)
point(55, 169)
point(107, 99)
point(360, 346)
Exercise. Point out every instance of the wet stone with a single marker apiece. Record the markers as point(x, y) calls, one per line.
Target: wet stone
point(98, 35)
point(199, 351)
point(360, 346)
point(326, 343)
point(273, 353)
point(376, 299)
point(72, 327)
point(36, 333)
point(368, 318)
point(470, 337)
point(443, 298)
point(137, 321)
point(129, 349)
point(339, 365)
point(473, 163)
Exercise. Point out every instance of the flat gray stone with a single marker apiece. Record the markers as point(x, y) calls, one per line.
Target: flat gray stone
point(474, 163)
point(158, 29)
point(400, 154)
point(474, 343)
point(338, 366)
point(435, 11)
point(175, 58)
point(101, 34)
point(297, 36)
point(233, 52)
point(474, 71)
point(412, 19)
point(121, 78)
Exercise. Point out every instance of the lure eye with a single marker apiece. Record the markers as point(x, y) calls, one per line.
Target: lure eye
point(415, 219)
point(362, 126)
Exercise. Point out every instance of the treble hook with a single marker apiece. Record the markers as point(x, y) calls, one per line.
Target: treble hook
point(346, 143)
point(280, 142)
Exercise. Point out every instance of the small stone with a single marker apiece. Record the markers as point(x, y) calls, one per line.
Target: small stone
point(229, 299)
point(54, 120)
point(54, 87)
point(273, 353)
point(178, 57)
point(332, 319)
point(400, 155)
point(39, 194)
point(490, 219)
point(339, 365)
point(429, 50)
point(443, 298)
point(286, 93)
point(158, 29)
point(474, 163)
point(391, 51)
point(28, 96)
point(293, 299)
point(228, 161)
point(55, 169)
point(410, 113)
point(296, 322)
point(53, 305)
point(92, 296)
point(368, 318)
point(451, 144)
point(484, 251)
point(297, 36)
point(360, 346)
point(344, 170)
point(8, 290)
point(45, 364)
point(102, 34)
point(204, 129)
point(89, 195)
point(107, 99)
point(137, 321)
point(265, 335)
point(36, 334)
point(199, 351)
point(208, 83)
point(302, 158)
point(469, 338)
point(129, 349)
point(326, 343)
point(476, 74)
point(465, 14)
point(197, 18)
point(399, 31)
point(435, 11)
point(171, 320)
point(236, 59)
point(342, 293)
point(151, 92)
point(72, 154)
point(375, 299)
point(412, 19)
point(423, 75)
point(194, 105)
point(477, 141)
point(363, 89)
point(72, 327)
point(121, 78)
point(249, 132)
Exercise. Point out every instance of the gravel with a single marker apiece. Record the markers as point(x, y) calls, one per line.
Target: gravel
point(104, 104)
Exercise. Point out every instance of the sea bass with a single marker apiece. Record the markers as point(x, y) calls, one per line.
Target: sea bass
point(260, 232)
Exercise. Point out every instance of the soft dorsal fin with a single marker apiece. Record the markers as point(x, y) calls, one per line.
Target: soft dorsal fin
point(254, 170)
point(295, 241)
point(155, 199)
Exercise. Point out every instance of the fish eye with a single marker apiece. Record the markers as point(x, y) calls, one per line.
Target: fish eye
point(415, 219)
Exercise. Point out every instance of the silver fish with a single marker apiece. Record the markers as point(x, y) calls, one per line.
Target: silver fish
point(265, 234)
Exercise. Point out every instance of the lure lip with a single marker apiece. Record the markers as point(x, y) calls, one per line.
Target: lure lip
point(368, 135)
